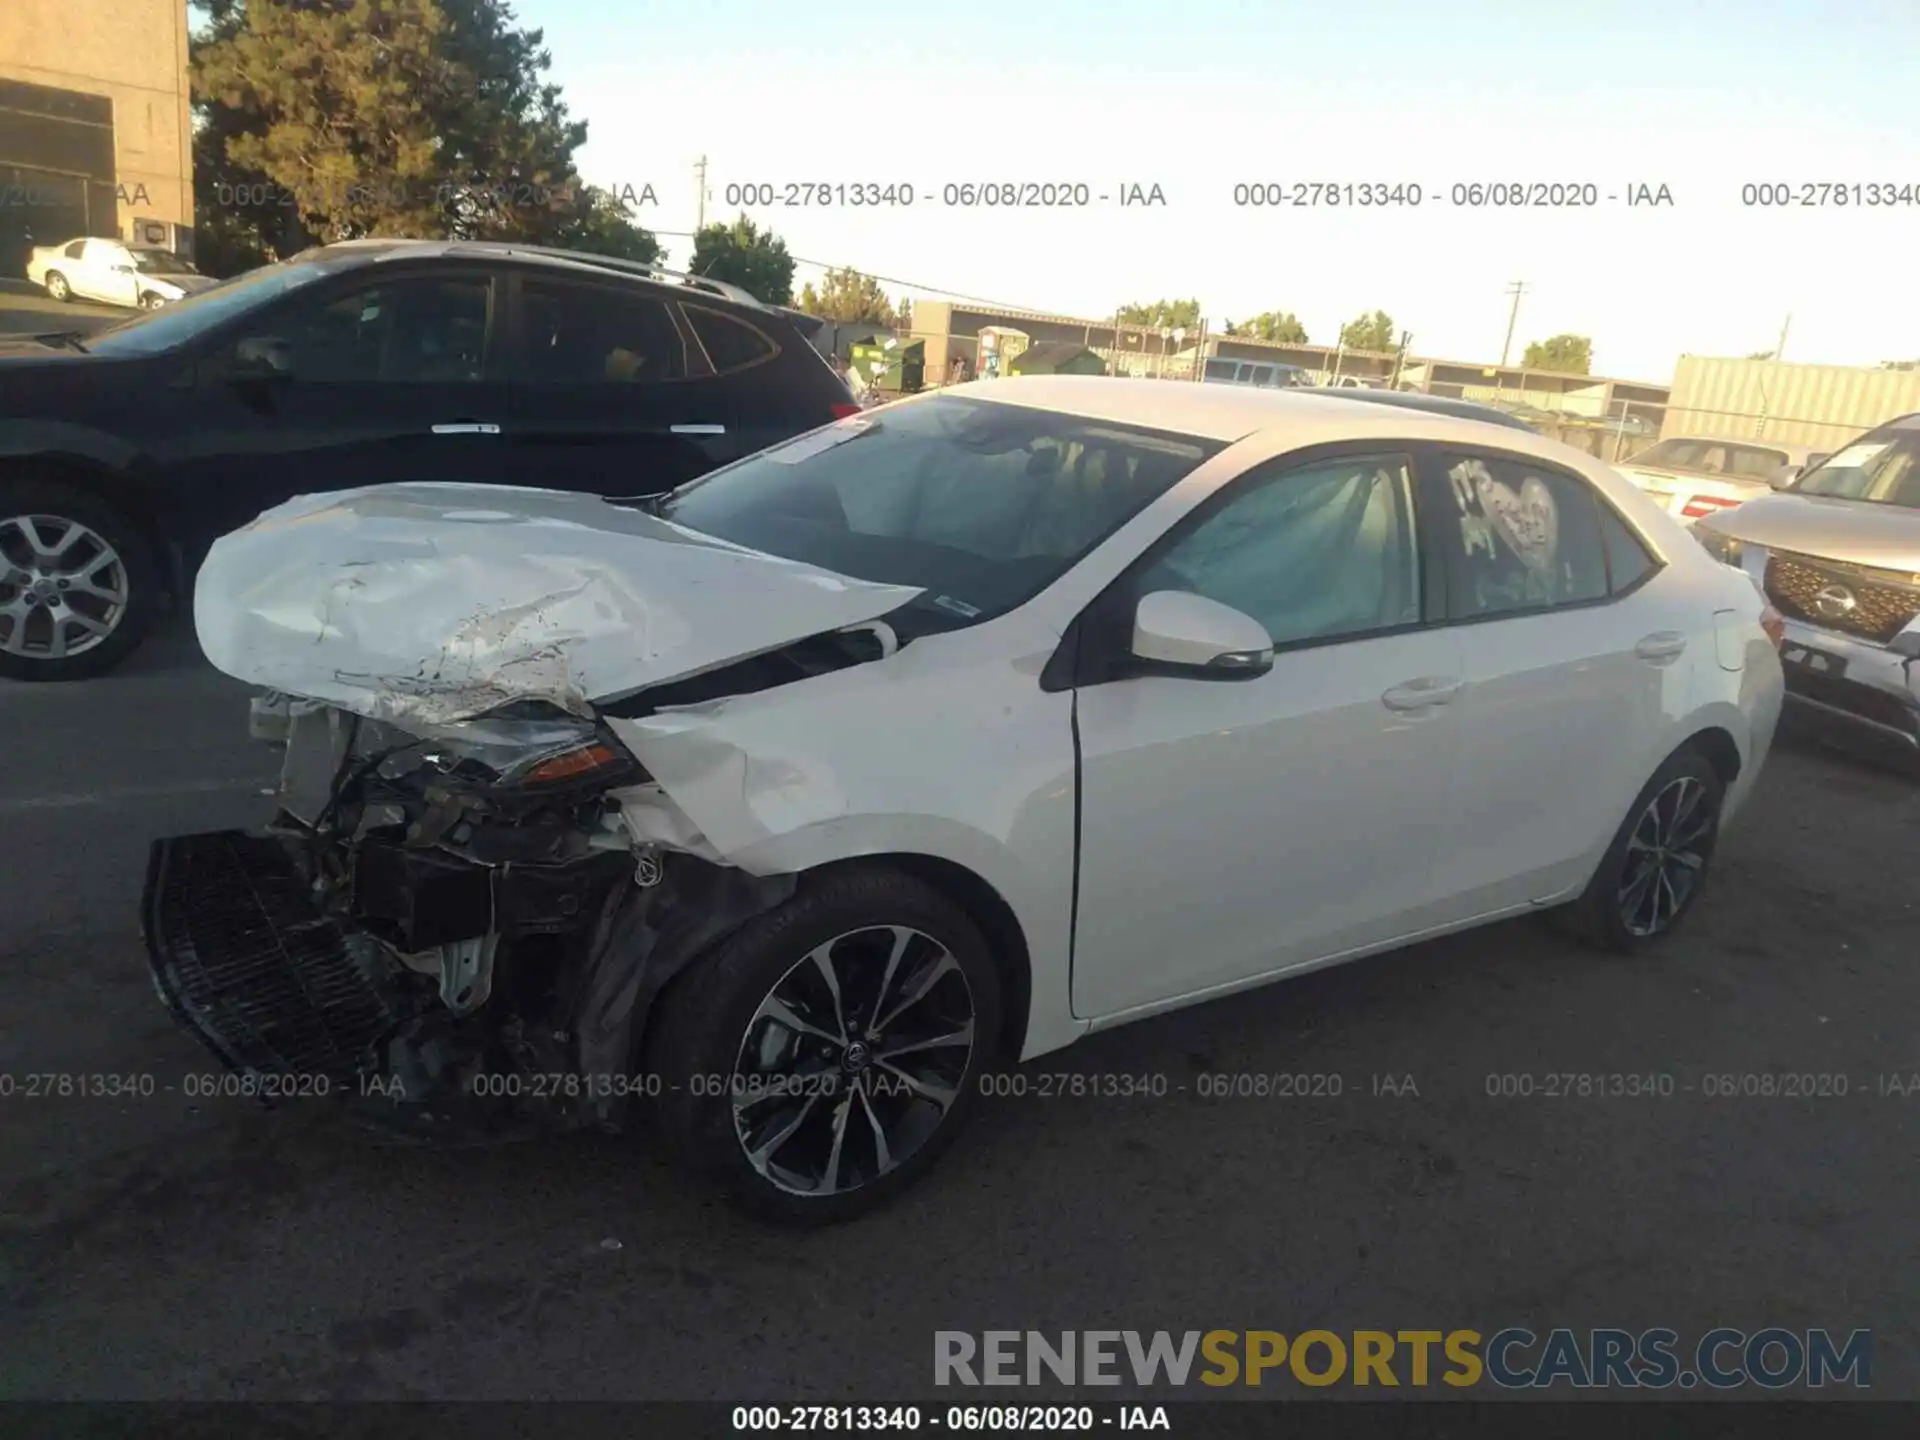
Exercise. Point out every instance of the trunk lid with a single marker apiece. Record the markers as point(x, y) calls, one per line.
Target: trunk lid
point(433, 603)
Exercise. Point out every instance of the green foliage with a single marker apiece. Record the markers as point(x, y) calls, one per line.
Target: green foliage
point(1369, 332)
point(1569, 354)
point(323, 120)
point(742, 254)
point(1162, 315)
point(849, 298)
point(1281, 327)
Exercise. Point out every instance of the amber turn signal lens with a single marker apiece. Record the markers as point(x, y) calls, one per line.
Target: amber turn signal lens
point(1775, 625)
point(572, 765)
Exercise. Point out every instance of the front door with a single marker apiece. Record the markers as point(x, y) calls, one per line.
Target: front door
point(372, 381)
point(614, 395)
point(1235, 828)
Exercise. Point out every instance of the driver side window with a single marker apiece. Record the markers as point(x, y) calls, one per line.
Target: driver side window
point(429, 330)
point(1313, 553)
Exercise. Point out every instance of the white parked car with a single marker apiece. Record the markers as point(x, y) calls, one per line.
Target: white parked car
point(1695, 476)
point(137, 276)
point(787, 807)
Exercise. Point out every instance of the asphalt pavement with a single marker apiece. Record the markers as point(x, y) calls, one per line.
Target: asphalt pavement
point(178, 1247)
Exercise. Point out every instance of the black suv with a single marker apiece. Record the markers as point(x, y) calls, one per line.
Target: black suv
point(126, 452)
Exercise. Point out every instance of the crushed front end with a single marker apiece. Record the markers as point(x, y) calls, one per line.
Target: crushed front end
point(454, 931)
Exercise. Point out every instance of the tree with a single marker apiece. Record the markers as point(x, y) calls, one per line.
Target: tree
point(1282, 327)
point(1761, 355)
point(742, 254)
point(1569, 354)
point(322, 120)
point(1369, 332)
point(604, 225)
point(1162, 315)
point(850, 298)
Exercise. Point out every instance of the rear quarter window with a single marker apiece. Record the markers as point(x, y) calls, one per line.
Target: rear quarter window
point(731, 344)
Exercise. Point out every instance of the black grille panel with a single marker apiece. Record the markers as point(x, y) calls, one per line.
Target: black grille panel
point(244, 958)
point(1881, 609)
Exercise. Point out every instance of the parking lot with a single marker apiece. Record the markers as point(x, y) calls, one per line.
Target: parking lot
point(181, 1247)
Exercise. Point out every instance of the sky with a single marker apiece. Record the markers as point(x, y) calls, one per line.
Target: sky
point(1198, 96)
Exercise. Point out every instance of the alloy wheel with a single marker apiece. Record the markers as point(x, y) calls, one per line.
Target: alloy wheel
point(853, 1060)
point(63, 587)
point(1666, 856)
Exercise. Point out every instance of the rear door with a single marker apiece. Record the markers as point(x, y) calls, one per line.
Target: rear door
point(1571, 662)
point(614, 394)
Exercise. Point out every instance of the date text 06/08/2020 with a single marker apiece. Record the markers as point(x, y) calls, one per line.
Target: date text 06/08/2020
point(1332, 194)
point(994, 1419)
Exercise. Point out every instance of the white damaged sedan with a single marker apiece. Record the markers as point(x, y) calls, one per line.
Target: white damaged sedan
point(787, 807)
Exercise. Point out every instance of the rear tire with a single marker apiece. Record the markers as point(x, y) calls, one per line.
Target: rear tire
point(64, 554)
point(754, 1087)
point(57, 286)
point(1658, 863)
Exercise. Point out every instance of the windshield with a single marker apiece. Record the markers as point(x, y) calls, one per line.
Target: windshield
point(981, 504)
point(156, 330)
point(1879, 469)
point(1713, 457)
point(161, 262)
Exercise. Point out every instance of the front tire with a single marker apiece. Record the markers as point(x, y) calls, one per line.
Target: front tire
point(825, 1055)
point(151, 301)
point(1654, 871)
point(57, 286)
point(78, 583)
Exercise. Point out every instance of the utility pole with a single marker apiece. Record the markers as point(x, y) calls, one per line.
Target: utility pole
point(700, 204)
point(1516, 290)
point(1780, 350)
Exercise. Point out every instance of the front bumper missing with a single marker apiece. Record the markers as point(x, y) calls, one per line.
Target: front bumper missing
point(1851, 689)
point(244, 958)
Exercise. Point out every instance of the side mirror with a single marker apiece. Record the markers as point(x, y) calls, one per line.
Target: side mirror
point(1783, 477)
point(1906, 644)
point(261, 357)
point(1195, 636)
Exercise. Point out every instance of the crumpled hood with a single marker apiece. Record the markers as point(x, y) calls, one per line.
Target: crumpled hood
point(433, 603)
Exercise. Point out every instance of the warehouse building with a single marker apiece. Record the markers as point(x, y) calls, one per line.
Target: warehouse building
point(95, 124)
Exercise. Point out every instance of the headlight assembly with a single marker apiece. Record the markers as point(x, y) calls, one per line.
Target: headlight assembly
point(1724, 548)
point(522, 751)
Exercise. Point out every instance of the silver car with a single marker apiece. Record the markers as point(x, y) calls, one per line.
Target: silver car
point(1691, 476)
point(1838, 554)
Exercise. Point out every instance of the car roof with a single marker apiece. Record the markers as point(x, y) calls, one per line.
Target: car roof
point(380, 248)
point(1792, 452)
point(1432, 404)
point(1228, 413)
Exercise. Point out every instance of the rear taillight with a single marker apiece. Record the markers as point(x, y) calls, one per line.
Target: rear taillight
point(846, 408)
point(1706, 505)
point(1775, 625)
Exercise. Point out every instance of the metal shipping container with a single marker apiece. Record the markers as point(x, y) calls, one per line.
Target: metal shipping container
point(1818, 405)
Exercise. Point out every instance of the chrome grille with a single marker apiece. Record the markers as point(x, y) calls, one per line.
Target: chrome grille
point(1881, 608)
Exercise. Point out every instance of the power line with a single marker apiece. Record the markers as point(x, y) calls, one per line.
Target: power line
point(883, 279)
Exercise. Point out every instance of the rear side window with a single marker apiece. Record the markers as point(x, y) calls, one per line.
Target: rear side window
point(596, 335)
point(1628, 562)
point(1517, 536)
point(731, 344)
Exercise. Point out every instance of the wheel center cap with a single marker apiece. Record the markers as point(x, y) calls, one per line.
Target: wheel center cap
point(856, 1057)
point(44, 588)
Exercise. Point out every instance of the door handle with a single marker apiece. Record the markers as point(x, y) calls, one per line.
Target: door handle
point(1421, 694)
point(466, 427)
point(698, 429)
point(1661, 645)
